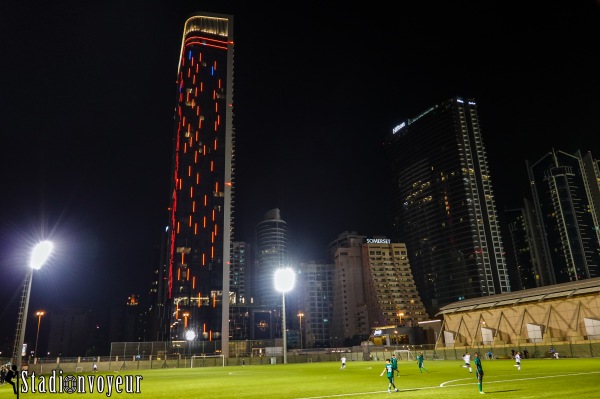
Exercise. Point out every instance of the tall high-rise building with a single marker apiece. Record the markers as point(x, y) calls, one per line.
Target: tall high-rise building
point(373, 286)
point(315, 299)
point(523, 248)
point(350, 321)
point(238, 270)
point(563, 196)
point(240, 303)
point(201, 223)
point(74, 330)
point(592, 174)
point(271, 254)
point(158, 310)
point(390, 291)
point(128, 322)
point(442, 205)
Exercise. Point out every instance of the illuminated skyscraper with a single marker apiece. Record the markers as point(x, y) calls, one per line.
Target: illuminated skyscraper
point(390, 292)
point(200, 225)
point(271, 254)
point(563, 189)
point(240, 302)
point(373, 287)
point(442, 205)
point(314, 293)
point(238, 270)
point(524, 248)
point(349, 316)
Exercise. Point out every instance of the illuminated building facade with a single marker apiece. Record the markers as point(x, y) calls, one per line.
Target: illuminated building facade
point(373, 286)
point(350, 320)
point(523, 248)
point(390, 291)
point(563, 195)
point(240, 310)
point(200, 225)
point(239, 268)
point(591, 167)
point(271, 254)
point(315, 300)
point(442, 205)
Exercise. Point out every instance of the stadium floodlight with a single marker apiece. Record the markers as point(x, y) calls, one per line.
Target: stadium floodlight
point(190, 335)
point(284, 282)
point(40, 254)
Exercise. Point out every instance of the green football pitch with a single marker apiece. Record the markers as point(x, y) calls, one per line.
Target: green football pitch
point(538, 378)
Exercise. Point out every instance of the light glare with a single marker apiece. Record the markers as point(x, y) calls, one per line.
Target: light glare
point(284, 279)
point(40, 254)
point(190, 335)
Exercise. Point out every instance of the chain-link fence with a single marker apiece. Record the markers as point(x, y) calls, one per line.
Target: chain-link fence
point(529, 351)
point(155, 355)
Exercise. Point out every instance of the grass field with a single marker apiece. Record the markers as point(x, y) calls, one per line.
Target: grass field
point(538, 378)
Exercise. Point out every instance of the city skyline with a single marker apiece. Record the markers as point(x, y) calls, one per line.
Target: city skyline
point(88, 131)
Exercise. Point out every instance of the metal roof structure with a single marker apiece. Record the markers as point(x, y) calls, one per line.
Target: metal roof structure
point(564, 290)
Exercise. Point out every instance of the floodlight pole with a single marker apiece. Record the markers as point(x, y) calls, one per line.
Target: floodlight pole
point(22, 319)
point(284, 282)
point(190, 335)
point(284, 332)
point(39, 255)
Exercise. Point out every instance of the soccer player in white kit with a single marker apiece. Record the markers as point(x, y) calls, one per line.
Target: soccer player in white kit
point(467, 359)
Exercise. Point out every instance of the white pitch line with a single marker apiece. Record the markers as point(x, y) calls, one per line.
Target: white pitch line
point(341, 395)
point(448, 382)
point(521, 379)
point(443, 385)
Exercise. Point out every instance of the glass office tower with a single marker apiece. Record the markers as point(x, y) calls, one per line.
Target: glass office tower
point(271, 254)
point(442, 205)
point(524, 247)
point(200, 225)
point(563, 198)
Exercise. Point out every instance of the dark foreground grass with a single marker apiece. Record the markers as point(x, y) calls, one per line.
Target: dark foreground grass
point(539, 378)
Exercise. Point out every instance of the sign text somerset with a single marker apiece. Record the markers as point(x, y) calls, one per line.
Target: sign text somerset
point(378, 241)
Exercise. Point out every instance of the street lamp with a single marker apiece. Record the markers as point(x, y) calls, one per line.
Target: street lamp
point(190, 335)
point(401, 315)
point(300, 315)
point(39, 255)
point(284, 282)
point(39, 314)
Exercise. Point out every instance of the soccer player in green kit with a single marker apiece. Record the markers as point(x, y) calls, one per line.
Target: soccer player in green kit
point(390, 375)
point(420, 362)
point(479, 372)
point(394, 364)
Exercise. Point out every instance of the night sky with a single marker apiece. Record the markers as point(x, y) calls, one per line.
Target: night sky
point(87, 101)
